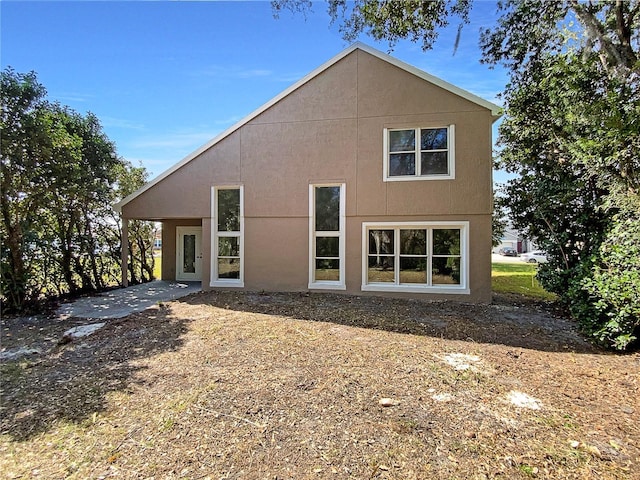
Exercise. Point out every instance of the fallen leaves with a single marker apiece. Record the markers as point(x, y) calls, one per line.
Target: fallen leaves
point(232, 385)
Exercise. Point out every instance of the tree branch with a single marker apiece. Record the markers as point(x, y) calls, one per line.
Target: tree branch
point(615, 57)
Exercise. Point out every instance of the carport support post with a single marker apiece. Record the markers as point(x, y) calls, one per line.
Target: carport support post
point(124, 260)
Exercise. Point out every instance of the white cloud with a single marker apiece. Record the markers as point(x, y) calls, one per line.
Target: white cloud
point(113, 122)
point(176, 140)
point(75, 97)
point(229, 120)
point(233, 72)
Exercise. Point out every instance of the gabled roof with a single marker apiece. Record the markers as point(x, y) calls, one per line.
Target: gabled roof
point(496, 111)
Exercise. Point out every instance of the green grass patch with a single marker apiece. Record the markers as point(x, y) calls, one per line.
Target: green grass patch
point(157, 267)
point(519, 279)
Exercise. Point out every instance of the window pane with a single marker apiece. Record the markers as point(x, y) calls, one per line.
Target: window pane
point(381, 269)
point(229, 268)
point(445, 271)
point(433, 139)
point(327, 209)
point(189, 254)
point(413, 242)
point(413, 270)
point(434, 163)
point(229, 210)
point(327, 270)
point(327, 247)
point(402, 140)
point(446, 242)
point(402, 164)
point(228, 246)
point(381, 242)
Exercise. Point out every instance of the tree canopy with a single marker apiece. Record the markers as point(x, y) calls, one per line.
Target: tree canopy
point(60, 175)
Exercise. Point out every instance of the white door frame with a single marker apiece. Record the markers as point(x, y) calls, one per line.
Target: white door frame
point(196, 275)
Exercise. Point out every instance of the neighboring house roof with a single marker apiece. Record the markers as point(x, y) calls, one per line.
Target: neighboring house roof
point(496, 111)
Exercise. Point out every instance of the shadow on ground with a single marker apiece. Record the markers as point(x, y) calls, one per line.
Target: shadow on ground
point(71, 382)
point(509, 320)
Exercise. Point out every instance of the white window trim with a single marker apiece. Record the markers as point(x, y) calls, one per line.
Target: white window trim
point(451, 142)
point(462, 289)
point(214, 281)
point(326, 284)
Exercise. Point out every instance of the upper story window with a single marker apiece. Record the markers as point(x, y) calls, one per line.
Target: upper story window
point(419, 153)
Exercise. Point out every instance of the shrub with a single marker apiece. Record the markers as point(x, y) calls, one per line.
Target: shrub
point(615, 283)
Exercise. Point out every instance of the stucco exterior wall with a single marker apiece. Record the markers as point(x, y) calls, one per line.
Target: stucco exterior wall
point(331, 130)
point(169, 244)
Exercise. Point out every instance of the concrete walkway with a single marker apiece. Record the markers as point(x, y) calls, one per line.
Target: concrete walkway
point(123, 301)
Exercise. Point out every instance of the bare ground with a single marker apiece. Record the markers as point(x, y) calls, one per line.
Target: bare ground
point(289, 386)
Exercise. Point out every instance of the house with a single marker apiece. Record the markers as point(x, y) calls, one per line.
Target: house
point(514, 239)
point(368, 176)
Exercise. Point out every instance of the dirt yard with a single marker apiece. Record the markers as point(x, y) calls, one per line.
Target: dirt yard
point(297, 386)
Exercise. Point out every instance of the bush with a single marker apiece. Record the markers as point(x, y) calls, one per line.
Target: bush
point(615, 283)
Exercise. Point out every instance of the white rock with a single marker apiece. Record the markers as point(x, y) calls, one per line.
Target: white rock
point(19, 352)
point(83, 330)
point(523, 400)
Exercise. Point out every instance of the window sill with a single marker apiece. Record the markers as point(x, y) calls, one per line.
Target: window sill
point(446, 290)
point(227, 283)
point(327, 286)
point(416, 178)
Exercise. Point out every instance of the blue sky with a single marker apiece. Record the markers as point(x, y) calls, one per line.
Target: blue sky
point(166, 77)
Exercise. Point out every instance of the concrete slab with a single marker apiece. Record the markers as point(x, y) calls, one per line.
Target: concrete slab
point(124, 301)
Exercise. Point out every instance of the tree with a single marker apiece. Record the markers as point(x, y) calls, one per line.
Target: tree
point(571, 133)
point(390, 21)
point(615, 280)
point(498, 222)
point(141, 233)
point(60, 175)
point(22, 132)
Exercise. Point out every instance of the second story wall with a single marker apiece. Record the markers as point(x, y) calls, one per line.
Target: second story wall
point(332, 129)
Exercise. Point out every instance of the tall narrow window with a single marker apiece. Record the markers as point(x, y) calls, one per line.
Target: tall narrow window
point(227, 239)
point(326, 236)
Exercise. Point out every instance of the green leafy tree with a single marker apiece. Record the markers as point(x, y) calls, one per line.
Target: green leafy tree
point(60, 175)
point(573, 136)
point(141, 233)
point(615, 280)
point(498, 221)
point(385, 20)
point(24, 140)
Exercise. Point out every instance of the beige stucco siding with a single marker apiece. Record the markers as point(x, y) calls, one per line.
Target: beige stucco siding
point(296, 141)
point(390, 91)
point(280, 159)
point(277, 254)
point(331, 130)
point(186, 193)
point(331, 95)
point(470, 191)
